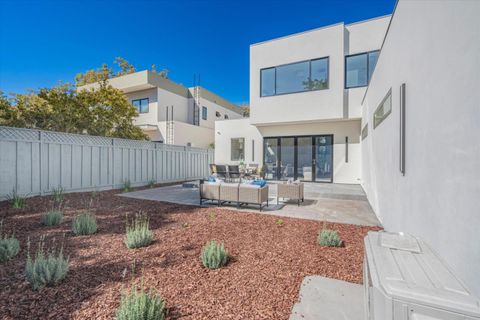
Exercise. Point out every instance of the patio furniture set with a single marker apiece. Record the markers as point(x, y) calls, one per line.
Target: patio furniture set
point(230, 184)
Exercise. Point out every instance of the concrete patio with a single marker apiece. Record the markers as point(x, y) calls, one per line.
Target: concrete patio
point(330, 202)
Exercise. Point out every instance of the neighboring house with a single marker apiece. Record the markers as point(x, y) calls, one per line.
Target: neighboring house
point(410, 137)
point(171, 113)
point(306, 91)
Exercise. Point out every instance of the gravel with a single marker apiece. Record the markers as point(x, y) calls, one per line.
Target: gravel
point(261, 281)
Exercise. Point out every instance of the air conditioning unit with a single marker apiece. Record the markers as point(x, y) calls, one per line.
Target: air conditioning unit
point(405, 280)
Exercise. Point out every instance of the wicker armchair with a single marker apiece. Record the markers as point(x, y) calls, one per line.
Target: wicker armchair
point(293, 191)
point(253, 195)
point(209, 191)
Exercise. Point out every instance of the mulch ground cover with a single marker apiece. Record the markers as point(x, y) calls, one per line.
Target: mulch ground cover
point(261, 281)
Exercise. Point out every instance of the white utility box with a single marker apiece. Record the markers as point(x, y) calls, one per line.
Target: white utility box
point(405, 280)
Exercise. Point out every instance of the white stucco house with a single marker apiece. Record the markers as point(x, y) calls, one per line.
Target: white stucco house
point(172, 113)
point(390, 103)
point(306, 92)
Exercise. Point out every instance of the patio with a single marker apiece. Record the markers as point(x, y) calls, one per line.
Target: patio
point(339, 203)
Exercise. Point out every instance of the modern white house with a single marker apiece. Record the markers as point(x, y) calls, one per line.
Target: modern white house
point(306, 91)
point(390, 103)
point(172, 113)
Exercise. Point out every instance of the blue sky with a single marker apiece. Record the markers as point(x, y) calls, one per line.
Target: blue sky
point(44, 42)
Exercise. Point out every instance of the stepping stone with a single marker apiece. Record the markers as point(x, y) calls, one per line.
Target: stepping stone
point(328, 299)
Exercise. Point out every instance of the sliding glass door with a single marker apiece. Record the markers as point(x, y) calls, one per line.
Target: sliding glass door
point(323, 158)
point(270, 158)
point(308, 158)
point(287, 158)
point(304, 158)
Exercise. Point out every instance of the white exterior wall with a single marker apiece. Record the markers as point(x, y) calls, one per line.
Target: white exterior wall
point(334, 42)
point(433, 47)
point(362, 37)
point(196, 136)
point(304, 106)
point(150, 116)
point(212, 108)
point(344, 172)
point(240, 128)
point(179, 103)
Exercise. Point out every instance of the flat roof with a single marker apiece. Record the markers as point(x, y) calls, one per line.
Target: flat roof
point(320, 28)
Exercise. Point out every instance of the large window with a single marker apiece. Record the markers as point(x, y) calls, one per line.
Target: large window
point(237, 149)
point(383, 110)
point(359, 69)
point(204, 113)
point(294, 77)
point(141, 105)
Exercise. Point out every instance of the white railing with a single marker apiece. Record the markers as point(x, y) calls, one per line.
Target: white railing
point(34, 162)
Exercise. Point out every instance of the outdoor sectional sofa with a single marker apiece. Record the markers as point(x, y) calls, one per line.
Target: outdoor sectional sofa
point(238, 193)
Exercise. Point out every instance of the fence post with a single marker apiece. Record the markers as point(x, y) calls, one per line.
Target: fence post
point(40, 138)
point(113, 163)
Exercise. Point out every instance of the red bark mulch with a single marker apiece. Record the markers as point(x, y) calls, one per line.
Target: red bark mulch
point(261, 281)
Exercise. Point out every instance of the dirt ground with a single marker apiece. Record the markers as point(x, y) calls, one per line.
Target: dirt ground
point(261, 281)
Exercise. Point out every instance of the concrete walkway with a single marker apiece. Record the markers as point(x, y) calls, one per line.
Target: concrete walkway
point(328, 299)
point(330, 202)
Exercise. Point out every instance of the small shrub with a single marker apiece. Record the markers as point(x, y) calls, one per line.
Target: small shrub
point(151, 183)
point(58, 196)
point(329, 238)
point(214, 255)
point(280, 222)
point(127, 186)
point(46, 268)
point(138, 232)
point(16, 200)
point(212, 215)
point(84, 224)
point(137, 304)
point(52, 218)
point(9, 246)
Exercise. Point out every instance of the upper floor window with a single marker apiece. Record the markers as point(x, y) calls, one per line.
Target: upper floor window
point(204, 113)
point(141, 105)
point(225, 116)
point(217, 114)
point(294, 77)
point(359, 69)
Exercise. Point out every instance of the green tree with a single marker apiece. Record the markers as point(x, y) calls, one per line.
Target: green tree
point(125, 66)
point(104, 111)
point(105, 72)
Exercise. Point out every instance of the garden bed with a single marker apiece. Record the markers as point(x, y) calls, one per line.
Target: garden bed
point(261, 281)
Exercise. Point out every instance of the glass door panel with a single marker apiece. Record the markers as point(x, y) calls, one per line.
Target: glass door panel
point(323, 158)
point(304, 158)
point(287, 156)
point(270, 157)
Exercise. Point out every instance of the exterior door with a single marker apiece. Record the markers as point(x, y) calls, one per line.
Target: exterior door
point(304, 158)
point(287, 158)
point(270, 158)
point(323, 158)
point(308, 158)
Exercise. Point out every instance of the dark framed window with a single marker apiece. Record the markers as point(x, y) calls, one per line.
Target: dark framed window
point(141, 105)
point(225, 116)
point(204, 113)
point(217, 114)
point(359, 69)
point(294, 77)
point(237, 151)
